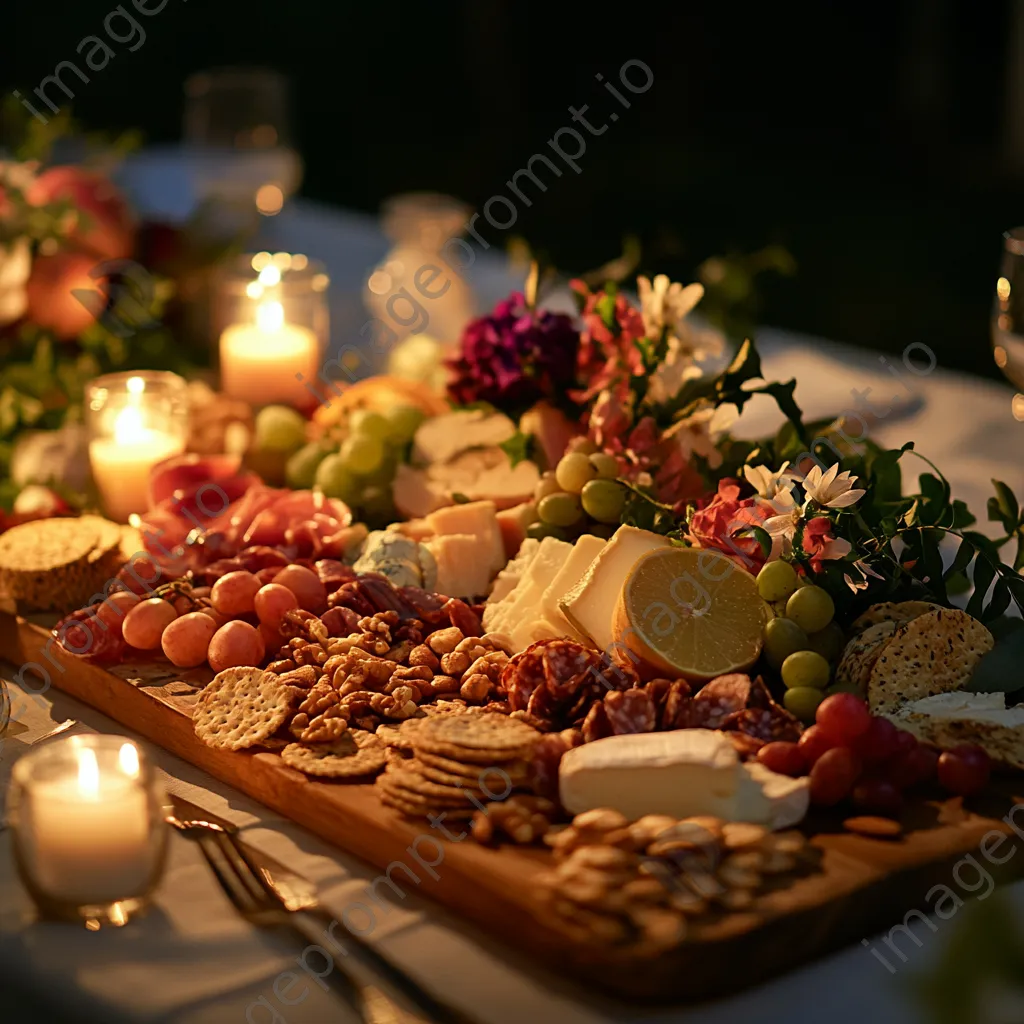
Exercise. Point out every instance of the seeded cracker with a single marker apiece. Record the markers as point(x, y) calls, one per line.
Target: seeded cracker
point(899, 613)
point(861, 653)
point(935, 653)
point(241, 707)
point(353, 755)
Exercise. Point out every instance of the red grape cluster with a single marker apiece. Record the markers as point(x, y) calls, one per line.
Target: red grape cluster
point(850, 753)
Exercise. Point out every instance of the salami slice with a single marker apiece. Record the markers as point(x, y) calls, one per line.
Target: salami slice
point(718, 699)
point(567, 666)
point(677, 711)
point(630, 711)
point(544, 761)
point(521, 676)
point(746, 746)
point(756, 722)
point(760, 695)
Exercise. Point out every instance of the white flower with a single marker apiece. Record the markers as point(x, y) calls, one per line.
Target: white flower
point(775, 488)
point(831, 489)
point(700, 433)
point(782, 530)
point(665, 306)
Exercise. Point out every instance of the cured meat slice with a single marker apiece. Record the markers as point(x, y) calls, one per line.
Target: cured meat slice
point(720, 698)
point(630, 711)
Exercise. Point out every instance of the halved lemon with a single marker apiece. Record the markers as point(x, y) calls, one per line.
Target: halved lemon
point(690, 612)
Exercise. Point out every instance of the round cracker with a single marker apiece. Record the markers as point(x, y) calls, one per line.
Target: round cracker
point(475, 737)
point(449, 766)
point(352, 755)
point(241, 707)
point(897, 612)
point(934, 653)
point(861, 653)
point(413, 786)
point(414, 809)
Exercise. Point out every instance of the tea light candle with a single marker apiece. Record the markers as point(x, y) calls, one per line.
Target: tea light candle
point(89, 838)
point(265, 362)
point(89, 833)
point(136, 421)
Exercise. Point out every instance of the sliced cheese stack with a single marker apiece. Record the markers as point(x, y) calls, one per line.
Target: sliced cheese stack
point(682, 773)
point(465, 541)
point(589, 605)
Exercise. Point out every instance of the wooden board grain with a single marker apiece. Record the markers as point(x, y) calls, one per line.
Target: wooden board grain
point(860, 885)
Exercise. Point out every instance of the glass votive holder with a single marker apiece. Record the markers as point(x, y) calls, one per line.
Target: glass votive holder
point(87, 816)
point(135, 420)
point(272, 320)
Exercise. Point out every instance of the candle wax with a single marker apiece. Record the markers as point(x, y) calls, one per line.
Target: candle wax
point(260, 364)
point(121, 468)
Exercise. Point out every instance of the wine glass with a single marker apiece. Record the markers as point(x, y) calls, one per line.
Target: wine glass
point(1008, 316)
point(237, 120)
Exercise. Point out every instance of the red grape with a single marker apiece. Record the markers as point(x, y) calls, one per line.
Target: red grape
point(844, 716)
point(912, 768)
point(813, 743)
point(305, 585)
point(784, 758)
point(145, 623)
point(272, 601)
point(964, 770)
point(186, 639)
point(233, 594)
point(877, 796)
point(114, 608)
point(235, 643)
point(833, 776)
point(878, 743)
point(905, 741)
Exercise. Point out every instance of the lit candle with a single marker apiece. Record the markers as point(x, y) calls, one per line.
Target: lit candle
point(87, 834)
point(121, 462)
point(260, 362)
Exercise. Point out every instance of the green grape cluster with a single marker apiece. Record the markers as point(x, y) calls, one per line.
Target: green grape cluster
point(359, 472)
point(580, 495)
point(801, 639)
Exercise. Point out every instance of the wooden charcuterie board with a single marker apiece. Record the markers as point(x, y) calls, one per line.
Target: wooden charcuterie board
point(861, 886)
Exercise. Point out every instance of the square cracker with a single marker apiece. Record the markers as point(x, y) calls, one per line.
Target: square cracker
point(933, 653)
point(241, 707)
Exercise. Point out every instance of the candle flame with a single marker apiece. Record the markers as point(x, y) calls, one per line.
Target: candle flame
point(270, 275)
point(88, 773)
point(128, 760)
point(135, 385)
point(128, 425)
point(270, 316)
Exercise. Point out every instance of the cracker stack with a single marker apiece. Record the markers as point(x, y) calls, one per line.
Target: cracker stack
point(59, 564)
point(454, 764)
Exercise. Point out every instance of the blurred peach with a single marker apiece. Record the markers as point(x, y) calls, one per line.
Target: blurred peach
point(109, 231)
point(52, 303)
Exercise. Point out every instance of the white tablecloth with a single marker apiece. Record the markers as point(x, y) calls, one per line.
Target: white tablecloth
point(193, 961)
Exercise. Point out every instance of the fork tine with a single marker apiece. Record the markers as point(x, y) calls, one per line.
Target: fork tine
point(237, 892)
point(257, 875)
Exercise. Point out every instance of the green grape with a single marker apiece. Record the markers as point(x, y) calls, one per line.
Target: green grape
point(335, 480)
point(603, 500)
point(362, 454)
point(539, 530)
point(827, 642)
point(776, 581)
point(803, 702)
point(607, 466)
point(782, 637)
point(810, 608)
point(403, 421)
point(372, 424)
point(846, 686)
point(547, 485)
point(574, 472)
point(805, 668)
point(583, 445)
point(279, 429)
point(560, 510)
point(376, 502)
point(300, 470)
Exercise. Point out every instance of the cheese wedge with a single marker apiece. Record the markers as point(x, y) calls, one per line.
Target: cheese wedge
point(523, 603)
point(581, 558)
point(590, 604)
point(478, 518)
point(682, 773)
point(949, 719)
point(461, 572)
point(508, 579)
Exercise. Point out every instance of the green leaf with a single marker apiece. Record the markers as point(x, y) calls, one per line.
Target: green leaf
point(761, 535)
point(984, 573)
point(518, 447)
point(605, 309)
point(1003, 508)
point(962, 516)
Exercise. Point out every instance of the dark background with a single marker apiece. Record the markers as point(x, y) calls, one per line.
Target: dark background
point(878, 142)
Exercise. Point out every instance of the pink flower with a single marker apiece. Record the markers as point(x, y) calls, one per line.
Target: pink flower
point(607, 355)
point(820, 544)
point(611, 417)
point(726, 515)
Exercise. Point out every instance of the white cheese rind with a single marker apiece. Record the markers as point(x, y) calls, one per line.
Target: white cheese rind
point(590, 605)
point(682, 773)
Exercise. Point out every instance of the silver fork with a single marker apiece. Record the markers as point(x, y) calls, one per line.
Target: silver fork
point(266, 904)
